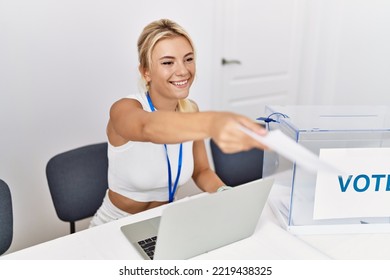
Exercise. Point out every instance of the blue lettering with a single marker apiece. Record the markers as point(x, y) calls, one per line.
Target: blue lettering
point(378, 178)
point(362, 182)
point(388, 183)
point(343, 186)
point(355, 183)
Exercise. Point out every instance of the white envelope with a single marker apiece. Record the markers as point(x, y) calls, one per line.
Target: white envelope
point(280, 143)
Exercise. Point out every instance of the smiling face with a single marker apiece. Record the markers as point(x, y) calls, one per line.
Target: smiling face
point(171, 73)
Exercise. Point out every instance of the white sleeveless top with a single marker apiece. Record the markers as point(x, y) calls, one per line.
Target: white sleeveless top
point(138, 170)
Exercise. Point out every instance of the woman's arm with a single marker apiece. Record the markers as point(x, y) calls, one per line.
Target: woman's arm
point(129, 122)
point(203, 176)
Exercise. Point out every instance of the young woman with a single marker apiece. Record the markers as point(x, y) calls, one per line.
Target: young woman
point(156, 138)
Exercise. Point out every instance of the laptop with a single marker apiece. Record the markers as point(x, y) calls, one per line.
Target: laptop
point(199, 224)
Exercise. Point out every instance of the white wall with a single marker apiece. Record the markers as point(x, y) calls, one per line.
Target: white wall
point(62, 64)
point(346, 57)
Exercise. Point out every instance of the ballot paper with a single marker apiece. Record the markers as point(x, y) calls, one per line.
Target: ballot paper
point(280, 143)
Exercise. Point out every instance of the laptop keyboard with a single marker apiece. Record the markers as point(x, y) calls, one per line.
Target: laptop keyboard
point(148, 245)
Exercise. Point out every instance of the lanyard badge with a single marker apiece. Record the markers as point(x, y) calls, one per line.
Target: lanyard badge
point(171, 186)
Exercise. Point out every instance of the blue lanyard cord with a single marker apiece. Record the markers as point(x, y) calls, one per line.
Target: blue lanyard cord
point(150, 102)
point(171, 189)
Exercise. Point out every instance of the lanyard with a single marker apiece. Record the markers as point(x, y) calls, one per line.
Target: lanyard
point(171, 189)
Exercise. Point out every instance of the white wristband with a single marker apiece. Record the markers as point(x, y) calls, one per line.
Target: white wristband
point(223, 188)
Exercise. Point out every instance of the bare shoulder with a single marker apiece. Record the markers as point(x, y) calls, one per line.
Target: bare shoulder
point(123, 120)
point(126, 102)
point(124, 105)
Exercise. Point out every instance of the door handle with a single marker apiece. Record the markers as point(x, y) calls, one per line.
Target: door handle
point(230, 61)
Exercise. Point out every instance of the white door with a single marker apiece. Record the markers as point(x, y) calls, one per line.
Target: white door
point(258, 48)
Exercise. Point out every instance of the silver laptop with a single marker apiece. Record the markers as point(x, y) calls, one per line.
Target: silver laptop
point(193, 226)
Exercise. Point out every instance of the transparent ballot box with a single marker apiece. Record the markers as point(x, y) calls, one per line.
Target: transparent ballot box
point(317, 128)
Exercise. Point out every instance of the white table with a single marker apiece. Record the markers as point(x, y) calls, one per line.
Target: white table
point(270, 241)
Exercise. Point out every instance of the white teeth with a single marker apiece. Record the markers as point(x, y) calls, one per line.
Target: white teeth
point(182, 83)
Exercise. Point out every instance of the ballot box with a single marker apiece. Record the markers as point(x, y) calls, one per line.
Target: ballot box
point(356, 139)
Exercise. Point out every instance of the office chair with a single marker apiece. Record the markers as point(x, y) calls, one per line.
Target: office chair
point(77, 181)
point(6, 217)
point(237, 168)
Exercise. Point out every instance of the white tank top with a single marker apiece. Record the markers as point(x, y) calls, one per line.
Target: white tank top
point(138, 170)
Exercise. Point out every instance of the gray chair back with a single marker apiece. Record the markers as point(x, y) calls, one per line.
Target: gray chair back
point(77, 181)
point(237, 168)
point(6, 218)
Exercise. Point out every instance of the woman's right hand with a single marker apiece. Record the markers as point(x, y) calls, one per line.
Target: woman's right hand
point(225, 131)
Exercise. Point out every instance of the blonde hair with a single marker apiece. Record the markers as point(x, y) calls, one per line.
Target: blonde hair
point(150, 36)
